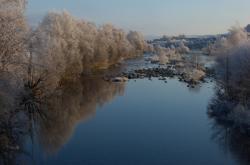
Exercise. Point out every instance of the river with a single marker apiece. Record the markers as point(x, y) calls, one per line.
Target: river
point(142, 122)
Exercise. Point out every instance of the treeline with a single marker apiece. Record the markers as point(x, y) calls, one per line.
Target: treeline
point(61, 47)
point(232, 102)
point(68, 47)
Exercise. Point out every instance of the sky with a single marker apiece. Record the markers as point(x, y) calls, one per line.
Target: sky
point(153, 17)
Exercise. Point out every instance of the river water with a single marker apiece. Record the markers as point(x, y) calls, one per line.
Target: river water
point(138, 123)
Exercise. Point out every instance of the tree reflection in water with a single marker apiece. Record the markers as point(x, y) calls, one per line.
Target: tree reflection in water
point(51, 117)
point(233, 141)
point(73, 103)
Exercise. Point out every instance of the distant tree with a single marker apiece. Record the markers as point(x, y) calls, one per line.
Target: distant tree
point(137, 41)
point(182, 49)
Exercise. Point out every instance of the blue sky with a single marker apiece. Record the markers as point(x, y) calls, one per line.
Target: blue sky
point(153, 17)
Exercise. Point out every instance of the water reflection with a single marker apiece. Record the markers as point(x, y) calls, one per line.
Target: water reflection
point(75, 102)
point(51, 118)
point(233, 141)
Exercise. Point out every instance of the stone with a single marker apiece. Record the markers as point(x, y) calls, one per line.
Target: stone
point(119, 79)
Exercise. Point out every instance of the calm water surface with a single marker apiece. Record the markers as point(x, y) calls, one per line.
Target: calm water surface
point(138, 123)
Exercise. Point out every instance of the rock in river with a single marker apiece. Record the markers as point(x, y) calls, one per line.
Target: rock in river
point(119, 79)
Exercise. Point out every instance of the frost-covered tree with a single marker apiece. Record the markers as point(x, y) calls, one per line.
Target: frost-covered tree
point(12, 33)
point(111, 45)
point(182, 49)
point(137, 41)
point(232, 101)
point(56, 45)
point(66, 47)
point(229, 50)
point(87, 41)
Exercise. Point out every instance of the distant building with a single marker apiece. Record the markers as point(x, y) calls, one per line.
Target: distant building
point(193, 43)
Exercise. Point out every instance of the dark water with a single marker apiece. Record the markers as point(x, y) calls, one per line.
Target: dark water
point(138, 123)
